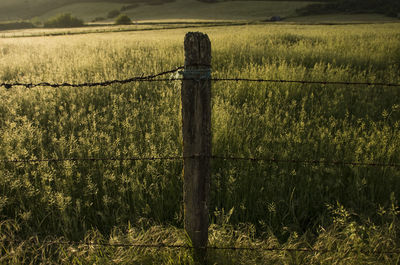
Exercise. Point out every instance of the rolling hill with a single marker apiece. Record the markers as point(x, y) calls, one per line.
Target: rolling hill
point(155, 9)
point(312, 10)
point(187, 9)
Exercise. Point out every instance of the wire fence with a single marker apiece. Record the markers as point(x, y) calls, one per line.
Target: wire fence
point(93, 84)
point(307, 82)
point(213, 157)
point(92, 159)
point(153, 78)
point(185, 246)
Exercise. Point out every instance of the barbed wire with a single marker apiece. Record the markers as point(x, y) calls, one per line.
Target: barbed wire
point(305, 161)
point(285, 81)
point(304, 82)
point(87, 84)
point(181, 246)
point(307, 82)
point(92, 159)
point(214, 157)
point(153, 78)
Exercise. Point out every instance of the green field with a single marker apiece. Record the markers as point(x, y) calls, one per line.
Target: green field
point(86, 11)
point(351, 211)
point(25, 9)
point(107, 28)
point(189, 9)
point(343, 18)
point(179, 9)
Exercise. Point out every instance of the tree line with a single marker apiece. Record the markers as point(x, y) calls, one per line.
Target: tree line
point(386, 7)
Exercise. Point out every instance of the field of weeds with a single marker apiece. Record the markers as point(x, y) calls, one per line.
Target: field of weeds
point(349, 212)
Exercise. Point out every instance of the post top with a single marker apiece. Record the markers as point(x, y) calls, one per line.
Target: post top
point(197, 50)
point(196, 34)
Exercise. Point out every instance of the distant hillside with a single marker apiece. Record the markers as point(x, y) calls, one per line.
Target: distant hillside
point(23, 9)
point(26, 9)
point(188, 9)
point(151, 9)
point(11, 10)
point(387, 7)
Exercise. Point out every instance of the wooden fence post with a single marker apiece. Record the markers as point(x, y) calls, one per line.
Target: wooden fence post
point(196, 128)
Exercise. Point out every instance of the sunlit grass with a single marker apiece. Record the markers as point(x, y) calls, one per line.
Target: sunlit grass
point(109, 27)
point(284, 204)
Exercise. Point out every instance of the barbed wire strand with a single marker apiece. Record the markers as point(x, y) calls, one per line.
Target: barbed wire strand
point(307, 82)
point(250, 159)
point(153, 78)
point(277, 81)
point(295, 161)
point(93, 159)
point(87, 84)
point(273, 81)
point(160, 245)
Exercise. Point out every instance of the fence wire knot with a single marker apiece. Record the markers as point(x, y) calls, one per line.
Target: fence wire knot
point(196, 74)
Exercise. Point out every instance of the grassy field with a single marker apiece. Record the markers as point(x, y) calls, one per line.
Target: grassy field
point(9, 3)
point(343, 18)
point(25, 9)
point(86, 11)
point(351, 211)
point(179, 9)
point(107, 28)
point(189, 9)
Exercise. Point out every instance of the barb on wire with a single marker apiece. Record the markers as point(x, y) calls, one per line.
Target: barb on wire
point(87, 84)
point(180, 246)
point(295, 161)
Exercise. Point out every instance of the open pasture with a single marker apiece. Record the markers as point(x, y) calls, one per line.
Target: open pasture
point(339, 207)
point(150, 10)
point(109, 27)
point(189, 9)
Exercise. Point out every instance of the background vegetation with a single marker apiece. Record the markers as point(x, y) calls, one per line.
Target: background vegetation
point(123, 20)
point(387, 7)
point(63, 21)
point(16, 25)
point(341, 208)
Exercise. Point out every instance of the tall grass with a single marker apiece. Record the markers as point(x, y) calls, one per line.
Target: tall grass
point(287, 202)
